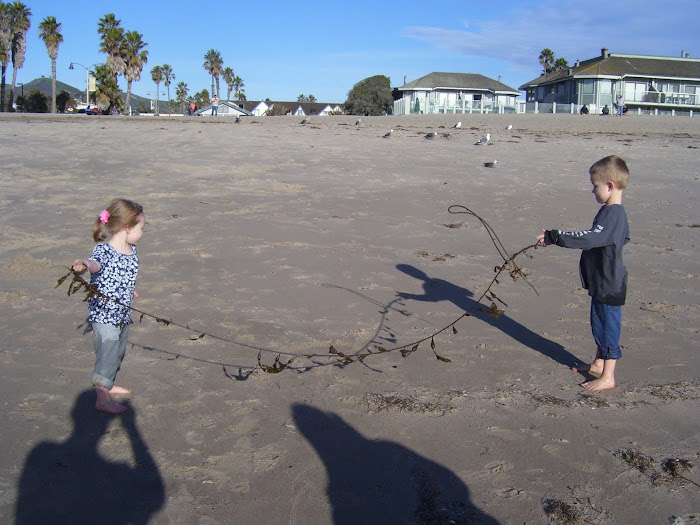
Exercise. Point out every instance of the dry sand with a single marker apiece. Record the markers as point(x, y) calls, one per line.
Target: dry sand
point(291, 238)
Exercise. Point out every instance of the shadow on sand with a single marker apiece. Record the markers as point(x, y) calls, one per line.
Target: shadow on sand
point(71, 482)
point(380, 482)
point(436, 290)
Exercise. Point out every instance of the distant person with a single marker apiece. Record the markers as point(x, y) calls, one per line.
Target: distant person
point(584, 110)
point(215, 106)
point(113, 266)
point(620, 105)
point(606, 110)
point(602, 271)
point(193, 108)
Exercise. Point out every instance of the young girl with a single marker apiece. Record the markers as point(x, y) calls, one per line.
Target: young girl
point(113, 265)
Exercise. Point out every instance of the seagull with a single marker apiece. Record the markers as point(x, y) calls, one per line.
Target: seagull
point(238, 119)
point(388, 133)
point(306, 121)
point(431, 135)
point(483, 140)
point(358, 121)
point(458, 125)
point(491, 164)
point(509, 126)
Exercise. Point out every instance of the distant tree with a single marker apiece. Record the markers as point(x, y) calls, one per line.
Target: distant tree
point(301, 98)
point(371, 96)
point(228, 75)
point(107, 91)
point(181, 94)
point(50, 33)
point(547, 60)
point(202, 98)
point(19, 24)
point(238, 90)
point(168, 77)
point(112, 43)
point(135, 57)
point(157, 76)
point(560, 64)
point(276, 110)
point(311, 99)
point(5, 46)
point(214, 64)
point(62, 100)
point(35, 102)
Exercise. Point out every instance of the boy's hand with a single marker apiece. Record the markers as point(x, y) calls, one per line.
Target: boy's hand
point(540, 238)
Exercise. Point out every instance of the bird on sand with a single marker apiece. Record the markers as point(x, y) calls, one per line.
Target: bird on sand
point(446, 135)
point(238, 119)
point(358, 121)
point(388, 133)
point(306, 121)
point(509, 126)
point(431, 135)
point(458, 125)
point(483, 140)
point(491, 164)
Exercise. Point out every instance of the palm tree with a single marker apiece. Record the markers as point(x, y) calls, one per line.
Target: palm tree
point(311, 99)
point(238, 90)
point(50, 33)
point(20, 26)
point(213, 63)
point(546, 59)
point(107, 91)
point(157, 76)
point(112, 43)
point(135, 56)
point(5, 46)
point(181, 94)
point(228, 76)
point(168, 77)
point(560, 64)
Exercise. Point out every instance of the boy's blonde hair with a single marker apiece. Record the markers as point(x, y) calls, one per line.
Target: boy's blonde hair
point(121, 213)
point(611, 169)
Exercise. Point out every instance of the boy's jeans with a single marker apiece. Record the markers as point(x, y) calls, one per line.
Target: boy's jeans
point(606, 323)
point(110, 347)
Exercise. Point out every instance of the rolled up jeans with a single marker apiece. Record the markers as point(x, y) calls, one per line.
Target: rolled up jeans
point(606, 324)
point(110, 347)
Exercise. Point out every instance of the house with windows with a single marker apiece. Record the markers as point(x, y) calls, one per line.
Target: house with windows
point(259, 108)
point(649, 84)
point(454, 93)
point(227, 108)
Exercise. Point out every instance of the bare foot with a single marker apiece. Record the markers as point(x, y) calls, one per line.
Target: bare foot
point(111, 407)
point(598, 384)
point(119, 390)
point(591, 368)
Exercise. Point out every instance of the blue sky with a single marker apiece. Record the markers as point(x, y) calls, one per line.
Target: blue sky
point(284, 49)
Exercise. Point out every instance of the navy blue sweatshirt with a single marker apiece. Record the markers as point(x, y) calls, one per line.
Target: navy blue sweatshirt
point(602, 271)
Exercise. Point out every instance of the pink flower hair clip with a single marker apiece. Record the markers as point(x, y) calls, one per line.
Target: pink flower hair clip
point(104, 216)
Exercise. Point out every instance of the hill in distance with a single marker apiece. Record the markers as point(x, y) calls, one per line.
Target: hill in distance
point(43, 84)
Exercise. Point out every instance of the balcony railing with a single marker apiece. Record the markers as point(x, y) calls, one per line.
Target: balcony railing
point(655, 98)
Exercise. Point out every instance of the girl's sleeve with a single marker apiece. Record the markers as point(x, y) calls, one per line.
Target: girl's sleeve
point(98, 254)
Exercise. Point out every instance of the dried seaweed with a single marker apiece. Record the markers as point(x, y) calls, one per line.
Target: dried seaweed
point(509, 266)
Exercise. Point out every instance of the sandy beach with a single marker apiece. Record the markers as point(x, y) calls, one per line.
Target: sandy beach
point(273, 238)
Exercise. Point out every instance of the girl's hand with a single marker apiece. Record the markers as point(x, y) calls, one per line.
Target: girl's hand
point(80, 265)
point(136, 294)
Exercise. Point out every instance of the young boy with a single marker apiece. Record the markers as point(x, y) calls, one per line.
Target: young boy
point(602, 271)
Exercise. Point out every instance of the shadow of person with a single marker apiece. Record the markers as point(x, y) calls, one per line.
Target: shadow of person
point(379, 482)
point(71, 482)
point(436, 290)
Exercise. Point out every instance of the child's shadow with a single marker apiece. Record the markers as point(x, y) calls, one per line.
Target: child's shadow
point(436, 290)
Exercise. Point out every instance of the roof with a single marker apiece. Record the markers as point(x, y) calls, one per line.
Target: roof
point(310, 108)
point(463, 81)
point(620, 66)
point(228, 103)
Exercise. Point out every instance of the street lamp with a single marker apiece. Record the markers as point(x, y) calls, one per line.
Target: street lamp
point(87, 80)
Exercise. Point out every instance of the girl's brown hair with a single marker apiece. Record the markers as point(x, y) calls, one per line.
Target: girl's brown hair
point(123, 213)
